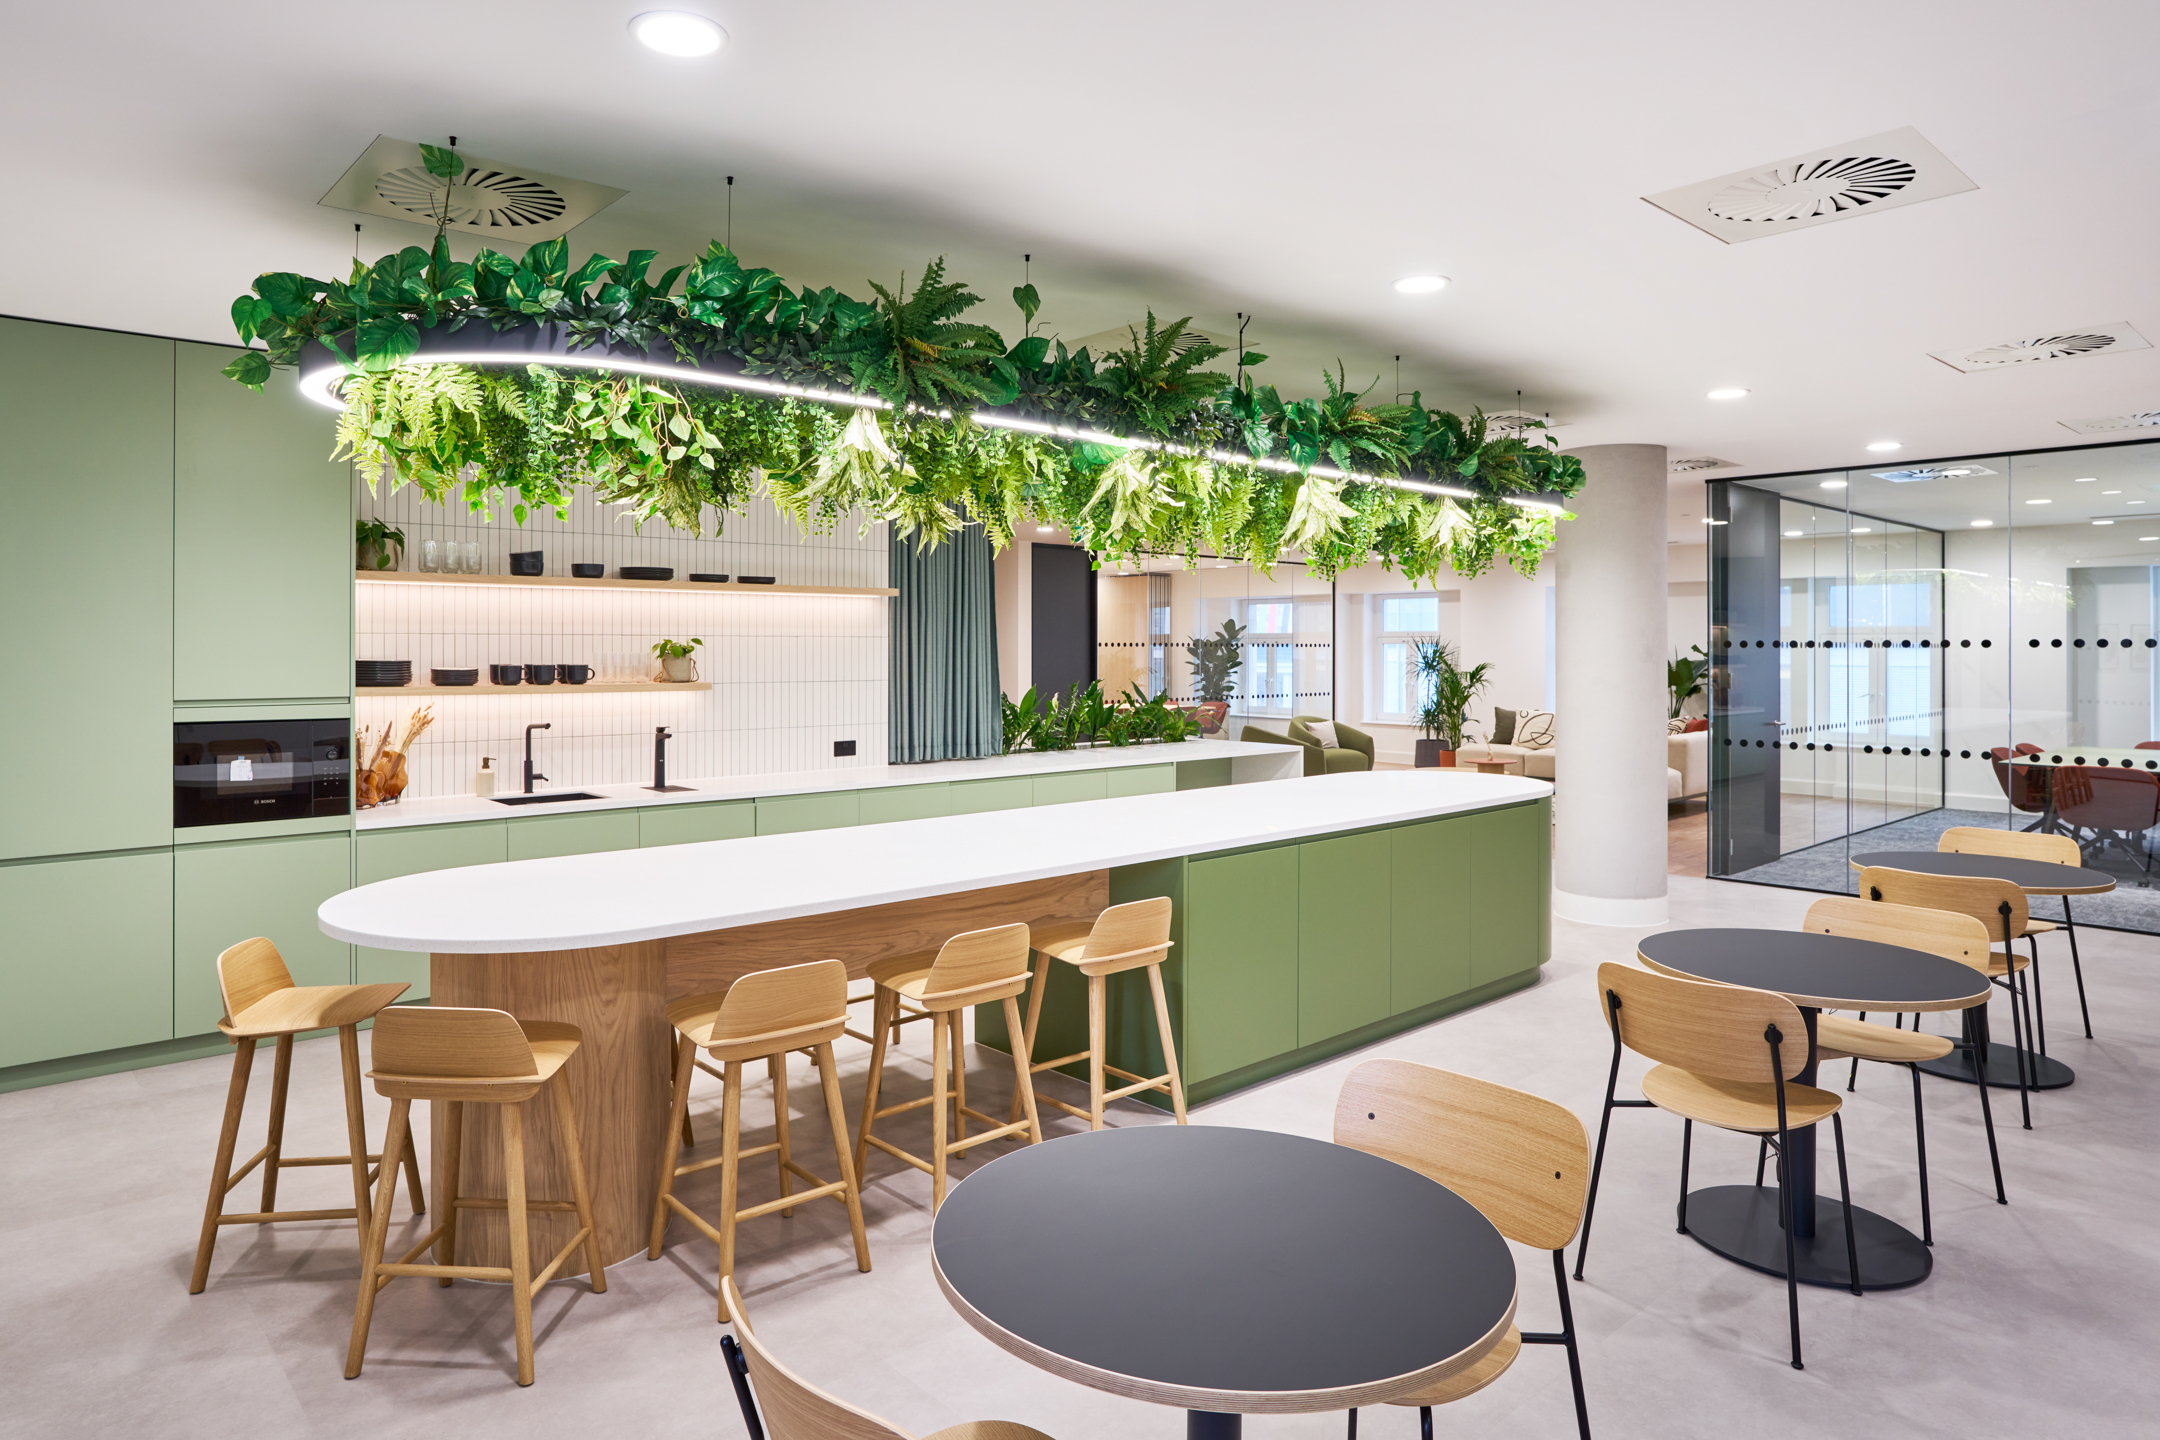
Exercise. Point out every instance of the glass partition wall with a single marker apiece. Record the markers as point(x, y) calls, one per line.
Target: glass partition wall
point(1901, 649)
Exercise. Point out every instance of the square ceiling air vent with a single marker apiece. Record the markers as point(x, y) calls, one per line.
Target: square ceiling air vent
point(1931, 472)
point(501, 201)
point(2100, 424)
point(2057, 345)
point(1700, 462)
point(1880, 172)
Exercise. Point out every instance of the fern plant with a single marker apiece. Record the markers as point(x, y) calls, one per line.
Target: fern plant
point(1155, 385)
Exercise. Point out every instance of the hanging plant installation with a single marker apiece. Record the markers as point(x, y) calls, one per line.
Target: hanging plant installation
point(511, 381)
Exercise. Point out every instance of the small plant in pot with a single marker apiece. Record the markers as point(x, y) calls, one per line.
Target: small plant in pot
point(1448, 690)
point(676, 665)
point(377, 545)
point(1214, 666)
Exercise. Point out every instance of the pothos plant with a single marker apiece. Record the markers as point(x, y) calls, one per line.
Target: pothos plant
point(524, 436)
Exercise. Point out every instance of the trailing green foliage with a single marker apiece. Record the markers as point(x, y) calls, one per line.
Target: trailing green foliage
point(1087, 715)
point(525, 435)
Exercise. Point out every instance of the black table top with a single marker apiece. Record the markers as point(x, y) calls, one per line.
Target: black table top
point(2038, 876)
point(1245, 1266)
point(1831, 972)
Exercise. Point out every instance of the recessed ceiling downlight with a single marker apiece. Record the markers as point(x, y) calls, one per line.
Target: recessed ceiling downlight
point(678, 33)
point(1833, 484)
point(1884, 446)
point(1981, 524)
point(1729, 393)
point(1421, 284)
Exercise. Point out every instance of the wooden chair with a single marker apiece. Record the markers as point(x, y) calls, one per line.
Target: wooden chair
point(1726, 1056)
point(971, 969)
point(2051, 850)
point(479, 1057)
point(262, 1003)
point(1121, 938)
point(1939, 932)
point(1523, 1161)
point(762, 1016)
point(909, 1014)
point(2000, 907)
point(797, 1410)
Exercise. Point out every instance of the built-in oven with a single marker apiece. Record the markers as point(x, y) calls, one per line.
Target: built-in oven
point(232, 772)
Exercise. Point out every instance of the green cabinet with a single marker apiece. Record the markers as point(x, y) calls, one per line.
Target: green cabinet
point(786, 814)
point(88, 964)
point(536, 837)
point(226, 893)
point(1241, 960)
point(1511, 892)
point(690, 824)
point(1141, 780)
point(1344, 926)
point(260, 516)
point(1069, 786)
point(1203, 774)
point(1007, 792)
point(1429, 944)
point(904, 802)
point(387, 854)
point(86, 575)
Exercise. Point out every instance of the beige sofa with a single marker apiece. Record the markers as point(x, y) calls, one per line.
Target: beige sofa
point(1687, 761)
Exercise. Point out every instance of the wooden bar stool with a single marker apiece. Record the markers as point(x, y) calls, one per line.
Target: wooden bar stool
point(762, 1016)
point(1123, 937)
point(481, 1057)
point(262, 1003)
point(971, 969)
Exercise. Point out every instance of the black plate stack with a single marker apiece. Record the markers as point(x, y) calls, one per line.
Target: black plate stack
point(647, 572)
point(382, 674)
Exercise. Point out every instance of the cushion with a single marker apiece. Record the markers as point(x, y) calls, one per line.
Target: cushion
point(1534, 729)
point(1503, 727)
point(1676, 726)
point(1696, 726)
point(1324, 732)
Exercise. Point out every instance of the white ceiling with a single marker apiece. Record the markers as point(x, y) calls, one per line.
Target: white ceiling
point(1290, 161)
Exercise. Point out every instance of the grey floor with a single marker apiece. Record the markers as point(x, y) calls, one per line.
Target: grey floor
point(2134, 903)
point(2041, 1319)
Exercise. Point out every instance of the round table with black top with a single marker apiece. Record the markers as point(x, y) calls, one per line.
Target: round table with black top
point(1816, 972)
point(2034, 877)
point(1225, 1272)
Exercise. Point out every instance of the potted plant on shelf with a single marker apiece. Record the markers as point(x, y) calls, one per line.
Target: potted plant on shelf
point(1214, 666)
point(377, 545)
point(677, 667)
point(1448, 690)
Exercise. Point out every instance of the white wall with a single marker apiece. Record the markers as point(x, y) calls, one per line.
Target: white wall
point(790, 674)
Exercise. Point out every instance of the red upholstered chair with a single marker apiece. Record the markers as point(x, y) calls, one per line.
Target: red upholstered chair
point(2025, 786)
point(2117, 806)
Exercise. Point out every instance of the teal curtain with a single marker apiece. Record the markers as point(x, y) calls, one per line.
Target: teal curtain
point(944, 675)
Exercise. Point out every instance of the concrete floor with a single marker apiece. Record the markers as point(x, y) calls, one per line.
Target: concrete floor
point(2039, 1321)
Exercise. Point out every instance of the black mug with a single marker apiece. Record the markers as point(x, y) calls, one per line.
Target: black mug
point(527, 562)
point(505, 674)
point(573, 674)
point(539, 674)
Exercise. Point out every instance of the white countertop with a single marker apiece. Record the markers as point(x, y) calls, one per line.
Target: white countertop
point(451, 809)
point(615, 897)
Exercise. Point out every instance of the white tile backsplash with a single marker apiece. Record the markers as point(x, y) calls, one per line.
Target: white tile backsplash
point(790, 674)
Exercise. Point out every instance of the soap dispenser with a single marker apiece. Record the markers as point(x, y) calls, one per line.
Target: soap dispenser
point(484, 782)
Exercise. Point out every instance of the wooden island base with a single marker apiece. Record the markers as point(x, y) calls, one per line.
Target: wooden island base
point(618, 995)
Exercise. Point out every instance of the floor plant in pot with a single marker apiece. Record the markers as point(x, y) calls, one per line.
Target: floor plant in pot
point(1214, 666)
point(1447, 690)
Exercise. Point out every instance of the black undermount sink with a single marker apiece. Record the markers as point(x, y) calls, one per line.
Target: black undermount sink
point(546, 797)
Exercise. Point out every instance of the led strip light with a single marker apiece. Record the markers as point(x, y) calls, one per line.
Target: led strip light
point(320, 386)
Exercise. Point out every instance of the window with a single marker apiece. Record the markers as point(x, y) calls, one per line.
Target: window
point(1398, 623)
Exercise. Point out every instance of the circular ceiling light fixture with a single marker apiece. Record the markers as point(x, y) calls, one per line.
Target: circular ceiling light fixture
point(1833, 484)
point(2039, 502)
point(1421, 284)
point(1862, 530)
point(1981, 524)
point(1794, 534)
point(1730, 393)
point(2085, 480)
point(678, 33)
point(1046, 529)
point(1881, 447)
point(2103, 522)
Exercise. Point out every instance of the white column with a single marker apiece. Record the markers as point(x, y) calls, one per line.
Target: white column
point(1609, 853)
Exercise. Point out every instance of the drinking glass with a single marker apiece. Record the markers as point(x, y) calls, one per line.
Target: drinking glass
point(430, 558)
point(471, 550)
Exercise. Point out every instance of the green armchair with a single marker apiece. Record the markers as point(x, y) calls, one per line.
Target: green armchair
point(1355, 752)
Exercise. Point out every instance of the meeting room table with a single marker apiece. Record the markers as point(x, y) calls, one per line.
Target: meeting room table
point(2034, 877)
point(1223, 1271)
point(1816, 972)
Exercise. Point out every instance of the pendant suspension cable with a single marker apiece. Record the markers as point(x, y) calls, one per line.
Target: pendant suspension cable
point(731, 212)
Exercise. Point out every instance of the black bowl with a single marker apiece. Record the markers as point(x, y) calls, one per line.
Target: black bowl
point(647, 572)
point(708, 579)
point(454, 677)
point(588, 572)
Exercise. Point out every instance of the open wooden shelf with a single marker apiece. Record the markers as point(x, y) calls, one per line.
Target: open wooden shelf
point(703, 587)
point(640, 687)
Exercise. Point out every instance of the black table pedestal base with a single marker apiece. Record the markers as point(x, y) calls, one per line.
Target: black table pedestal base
point(2002, 1069)
point(1740, 1222)
point(1213, 1425)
